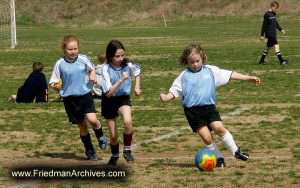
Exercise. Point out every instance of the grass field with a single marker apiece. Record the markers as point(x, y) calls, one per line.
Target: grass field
point(264, 120)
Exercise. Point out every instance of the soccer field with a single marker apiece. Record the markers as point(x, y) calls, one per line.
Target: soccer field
point(263, 120)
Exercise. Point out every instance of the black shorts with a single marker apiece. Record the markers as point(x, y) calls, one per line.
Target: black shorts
point(111, 105)
point(199, 116)
point(77, 106)
point(271, 41)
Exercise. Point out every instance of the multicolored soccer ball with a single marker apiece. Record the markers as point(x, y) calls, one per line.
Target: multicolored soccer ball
point(205, 160)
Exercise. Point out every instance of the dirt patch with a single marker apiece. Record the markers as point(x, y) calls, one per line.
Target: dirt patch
point(138, 108)
point(288, 71)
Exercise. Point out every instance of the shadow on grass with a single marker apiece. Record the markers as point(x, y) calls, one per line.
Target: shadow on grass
point(61, 155)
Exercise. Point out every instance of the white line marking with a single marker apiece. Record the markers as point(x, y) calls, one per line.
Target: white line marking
point(298, 95)
point(179, 130)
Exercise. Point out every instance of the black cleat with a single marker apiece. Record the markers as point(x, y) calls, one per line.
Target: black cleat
point(91, 155)
point(220, 162)
point(128, 156)
point(261, 63)
point(113, 161)
point(285, 62)
point(241, 155)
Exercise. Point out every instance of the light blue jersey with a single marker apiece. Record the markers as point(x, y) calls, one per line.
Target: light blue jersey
point(74, 76)
point(110, 75)
point(198, 88)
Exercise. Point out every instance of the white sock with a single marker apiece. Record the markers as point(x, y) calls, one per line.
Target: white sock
point(229, 143)
point(214, 148)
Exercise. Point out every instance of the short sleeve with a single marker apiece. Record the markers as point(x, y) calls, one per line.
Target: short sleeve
point(55, 77)
point(221, 76)
point(105, 79)
point(136, 69)
point(176, 88)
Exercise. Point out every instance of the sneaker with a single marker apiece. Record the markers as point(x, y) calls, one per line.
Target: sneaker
point(261, 63)
point(113, 161)
point(11, 99)
point(221, 162)
point(241, 155)
point(91, 155)
point(102, 142)
point(128, 156)
point(285, 62)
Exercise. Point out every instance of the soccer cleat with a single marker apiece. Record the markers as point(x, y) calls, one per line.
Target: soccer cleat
point(113, 161)
point(220, 162)
point(91, 155)
point(261, 63)
point(285, 62)
point(102, 142)
point(128, 156)
point(241, 155)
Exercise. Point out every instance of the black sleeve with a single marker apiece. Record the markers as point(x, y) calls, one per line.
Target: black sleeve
point(278, 26)
point(264, 25)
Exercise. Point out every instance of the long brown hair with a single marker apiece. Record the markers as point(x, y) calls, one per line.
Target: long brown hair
point(111, 50)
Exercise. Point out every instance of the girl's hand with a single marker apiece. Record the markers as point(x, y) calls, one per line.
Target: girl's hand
point(163, 97)
point(55, 86)
point(137, 92)
point(255, 80)
point(92, 78)
point(124, 76)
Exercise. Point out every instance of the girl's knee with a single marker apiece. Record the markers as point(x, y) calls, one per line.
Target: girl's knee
point(127, 123)
point(207, 140)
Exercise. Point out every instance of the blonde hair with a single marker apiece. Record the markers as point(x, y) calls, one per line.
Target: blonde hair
point(190, 50)
point(68, 39)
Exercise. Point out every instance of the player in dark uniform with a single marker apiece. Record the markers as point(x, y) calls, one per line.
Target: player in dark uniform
point(268, 31)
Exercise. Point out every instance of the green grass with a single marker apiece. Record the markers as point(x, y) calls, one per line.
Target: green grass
point(268, 129)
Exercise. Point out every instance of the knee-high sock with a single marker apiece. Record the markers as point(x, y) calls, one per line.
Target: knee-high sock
point(279, 57)
point(86, 140)
point(263, 56)
point(214, 148)
point(98, 132)
point(229, 143)
point(114, 150)
point(127, 139)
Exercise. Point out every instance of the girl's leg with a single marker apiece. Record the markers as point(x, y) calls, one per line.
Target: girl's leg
point(114, 144)
point(125, 112)
point(228, 140)
point(86, 140)
point(95, 123)
point(207, 138)
point(225, 135)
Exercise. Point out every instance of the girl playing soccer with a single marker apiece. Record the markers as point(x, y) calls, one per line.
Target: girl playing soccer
point(196, 85)
point(76, 86)
point(116, 76)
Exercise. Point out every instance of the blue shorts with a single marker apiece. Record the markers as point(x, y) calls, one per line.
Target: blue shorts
point(199, 116)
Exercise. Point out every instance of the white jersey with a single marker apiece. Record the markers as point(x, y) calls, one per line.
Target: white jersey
point(198, 88)
point(110, 75)
point(74, 76)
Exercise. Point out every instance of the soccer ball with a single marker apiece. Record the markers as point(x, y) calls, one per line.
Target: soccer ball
point(205, 160)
